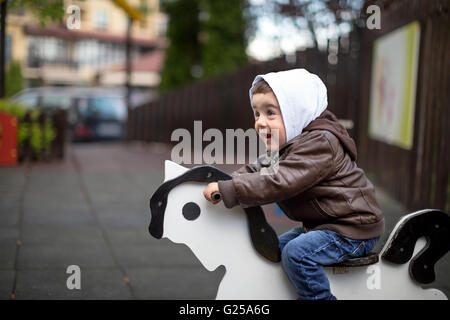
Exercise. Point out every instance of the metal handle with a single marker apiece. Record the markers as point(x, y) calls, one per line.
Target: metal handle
point(216, 196)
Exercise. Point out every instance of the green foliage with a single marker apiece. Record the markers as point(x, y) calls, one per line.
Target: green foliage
point(39, 137)
point(184, 49)
point(12, 108)
point(49, 134)
point(22, 134)
point(45, 11)
point(206, 38)
point(224, 47)
point(14, 80)
point(36, 137)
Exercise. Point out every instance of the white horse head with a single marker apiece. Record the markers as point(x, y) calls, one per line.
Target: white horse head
point(215, 234)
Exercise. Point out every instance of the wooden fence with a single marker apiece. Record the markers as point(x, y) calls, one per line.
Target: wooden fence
point(419, 177)
point(223, 102)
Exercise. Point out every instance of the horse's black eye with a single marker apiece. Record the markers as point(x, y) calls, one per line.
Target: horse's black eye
point(191, 211)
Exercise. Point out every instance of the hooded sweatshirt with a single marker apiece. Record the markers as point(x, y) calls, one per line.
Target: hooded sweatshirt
point(317, 181)
point(302, 97)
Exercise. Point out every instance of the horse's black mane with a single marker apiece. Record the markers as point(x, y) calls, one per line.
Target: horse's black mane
point(432, 224)
point(263, 237)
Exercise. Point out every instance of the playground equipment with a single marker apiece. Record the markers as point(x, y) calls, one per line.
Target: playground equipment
point(243, 241)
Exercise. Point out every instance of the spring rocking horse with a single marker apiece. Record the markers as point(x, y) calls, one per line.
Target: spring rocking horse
point(243, 241)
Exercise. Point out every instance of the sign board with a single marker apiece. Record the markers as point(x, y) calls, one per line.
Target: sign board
point(393, 86)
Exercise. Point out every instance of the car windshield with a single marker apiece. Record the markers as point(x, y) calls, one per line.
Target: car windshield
point(27, 99)
point(112, 108)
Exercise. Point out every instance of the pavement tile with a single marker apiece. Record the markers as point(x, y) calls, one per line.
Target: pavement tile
point(9, 214)
point(6, 283)
point(7, 255)
point(12, 179)
point(114, 217)
point(87, 235)
point(9, 234)
point(52, 284)
point(63, 254)
point(146, 255)
point(175, 282)
point(55, 198)
point(62, 218)
point(9, 197)
point(148, 180)
point(129, 235)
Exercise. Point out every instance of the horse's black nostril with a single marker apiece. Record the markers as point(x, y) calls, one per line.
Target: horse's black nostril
point(191, 211)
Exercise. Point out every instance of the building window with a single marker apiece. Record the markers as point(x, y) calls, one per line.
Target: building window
point(102, 20)
point(161, 26)
point(47, 50)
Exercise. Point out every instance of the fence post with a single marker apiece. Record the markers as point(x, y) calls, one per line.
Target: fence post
point(59, 121)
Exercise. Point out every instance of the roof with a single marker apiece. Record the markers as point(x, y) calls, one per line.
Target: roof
point(149, 62)
point(63, 33)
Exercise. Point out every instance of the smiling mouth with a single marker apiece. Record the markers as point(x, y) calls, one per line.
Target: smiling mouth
point(266, 136)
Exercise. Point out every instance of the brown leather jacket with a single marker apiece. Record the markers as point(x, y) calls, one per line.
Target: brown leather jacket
point(317, 182)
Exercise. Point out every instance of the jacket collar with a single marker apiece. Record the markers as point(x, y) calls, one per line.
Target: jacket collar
point(283, 148)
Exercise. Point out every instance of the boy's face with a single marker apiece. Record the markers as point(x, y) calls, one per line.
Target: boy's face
point(267, 118)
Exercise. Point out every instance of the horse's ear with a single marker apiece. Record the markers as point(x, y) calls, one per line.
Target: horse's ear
point(172, 170)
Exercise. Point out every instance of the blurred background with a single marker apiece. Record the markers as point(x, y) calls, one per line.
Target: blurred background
point(91, 91)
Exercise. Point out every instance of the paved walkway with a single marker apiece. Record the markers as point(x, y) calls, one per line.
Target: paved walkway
point(91, 210)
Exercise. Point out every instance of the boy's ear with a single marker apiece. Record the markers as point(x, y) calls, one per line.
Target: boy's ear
point(173, 170)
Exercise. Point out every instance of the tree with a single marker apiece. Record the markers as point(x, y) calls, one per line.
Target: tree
point(317, 15)
point(223, 35)
point(45, 11)
point(183, 52)
point(14, 80)
point(206, 38)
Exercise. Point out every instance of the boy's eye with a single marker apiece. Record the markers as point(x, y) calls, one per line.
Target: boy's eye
point(256, 114)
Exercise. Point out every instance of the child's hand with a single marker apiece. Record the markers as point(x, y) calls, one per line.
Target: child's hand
point(209, 190)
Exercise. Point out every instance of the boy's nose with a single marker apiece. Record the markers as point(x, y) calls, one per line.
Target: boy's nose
point(261, 122)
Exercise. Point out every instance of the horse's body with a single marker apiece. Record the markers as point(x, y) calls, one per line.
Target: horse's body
point(220, 236)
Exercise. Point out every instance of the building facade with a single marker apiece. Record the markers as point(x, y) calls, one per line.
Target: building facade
point(91, 51)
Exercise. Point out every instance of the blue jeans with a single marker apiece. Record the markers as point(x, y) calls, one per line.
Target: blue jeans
point(304, 254)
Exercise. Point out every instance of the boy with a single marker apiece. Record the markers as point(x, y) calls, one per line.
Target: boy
point(317, 181)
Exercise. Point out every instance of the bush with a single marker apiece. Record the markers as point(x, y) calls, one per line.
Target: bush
point(14, 80)
point(38, 137)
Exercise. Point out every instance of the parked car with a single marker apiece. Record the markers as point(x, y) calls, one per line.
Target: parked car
point(92, 113)
point(50, 98)
point(97, 117)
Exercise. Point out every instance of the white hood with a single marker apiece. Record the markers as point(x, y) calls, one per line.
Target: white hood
point(302, 97)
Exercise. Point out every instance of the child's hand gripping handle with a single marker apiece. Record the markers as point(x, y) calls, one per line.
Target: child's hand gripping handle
point(216, 196)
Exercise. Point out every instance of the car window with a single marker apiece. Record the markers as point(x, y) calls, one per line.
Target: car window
point(106, 108)
point(54, 102)
point(29, 100)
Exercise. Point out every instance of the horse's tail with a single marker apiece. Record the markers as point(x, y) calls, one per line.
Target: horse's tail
point(432, 224)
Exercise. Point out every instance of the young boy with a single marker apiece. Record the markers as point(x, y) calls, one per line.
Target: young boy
point(317, 181)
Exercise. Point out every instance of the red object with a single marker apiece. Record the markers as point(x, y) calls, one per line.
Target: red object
point(8, 139)
point(82, 131)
